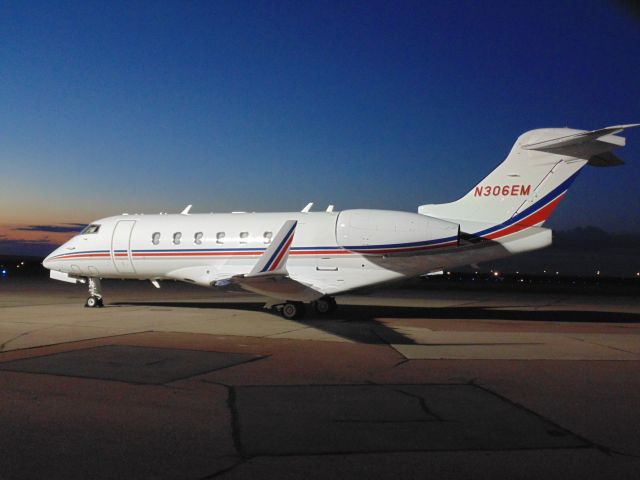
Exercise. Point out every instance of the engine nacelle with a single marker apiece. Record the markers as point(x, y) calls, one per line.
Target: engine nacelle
point(388, 232)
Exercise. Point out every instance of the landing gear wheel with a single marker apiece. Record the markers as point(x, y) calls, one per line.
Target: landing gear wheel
point(94, 302)
point(95, 294)
point(325, 305)
point(293, 310)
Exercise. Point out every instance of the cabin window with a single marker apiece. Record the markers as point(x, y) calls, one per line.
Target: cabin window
point(93, 228)
point(220, 237)
point(155, 238)
point(243, 237)
point(176, 238)
point(197, 238)
point(267, 237)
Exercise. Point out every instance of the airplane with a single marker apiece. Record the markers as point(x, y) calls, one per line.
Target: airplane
point(300, 258)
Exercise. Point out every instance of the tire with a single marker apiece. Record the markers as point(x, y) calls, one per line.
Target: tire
point(293, 310)
point(325, 305)
point(92, 302)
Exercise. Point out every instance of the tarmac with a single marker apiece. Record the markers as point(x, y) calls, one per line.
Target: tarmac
point(189, 383)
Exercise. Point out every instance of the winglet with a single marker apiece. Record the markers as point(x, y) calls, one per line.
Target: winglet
point(307, 208)
point(274, 259)
point(186, 210)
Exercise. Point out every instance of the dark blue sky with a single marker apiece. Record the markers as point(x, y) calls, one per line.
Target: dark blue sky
point(147, 106)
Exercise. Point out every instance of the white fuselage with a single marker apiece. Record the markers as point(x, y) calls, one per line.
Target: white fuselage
point(332, 251)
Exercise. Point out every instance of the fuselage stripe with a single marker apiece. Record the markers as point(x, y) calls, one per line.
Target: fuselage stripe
point(529, 217)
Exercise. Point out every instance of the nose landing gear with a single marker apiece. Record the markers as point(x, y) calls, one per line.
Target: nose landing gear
point(95, 294)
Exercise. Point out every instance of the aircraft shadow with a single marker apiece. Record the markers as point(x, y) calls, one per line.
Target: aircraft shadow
point(364, 324)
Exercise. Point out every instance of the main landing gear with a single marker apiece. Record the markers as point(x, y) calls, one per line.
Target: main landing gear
point(95, 294)
point(325, 305)
point(297, 310)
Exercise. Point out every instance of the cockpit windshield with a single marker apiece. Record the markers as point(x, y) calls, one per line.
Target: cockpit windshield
point(93, 228)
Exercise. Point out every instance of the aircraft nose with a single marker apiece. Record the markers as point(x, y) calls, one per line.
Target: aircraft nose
point(50, 262)
point(46, 263)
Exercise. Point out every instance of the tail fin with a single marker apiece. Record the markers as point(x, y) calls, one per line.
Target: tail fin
point(524, 189)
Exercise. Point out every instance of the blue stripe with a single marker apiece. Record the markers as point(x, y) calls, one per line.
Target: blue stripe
point(199, 250)
point(402, 245)
point(80, 253)
point(282, 244)
point(536, 206)
point(87, 251)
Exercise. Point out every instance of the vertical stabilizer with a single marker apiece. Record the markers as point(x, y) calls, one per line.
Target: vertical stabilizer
point(524, 189)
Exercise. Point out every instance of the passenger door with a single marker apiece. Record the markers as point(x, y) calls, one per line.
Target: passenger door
point(121, 246)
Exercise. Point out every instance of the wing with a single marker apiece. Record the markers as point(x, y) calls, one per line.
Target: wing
point(278, 286)
point(269, 276)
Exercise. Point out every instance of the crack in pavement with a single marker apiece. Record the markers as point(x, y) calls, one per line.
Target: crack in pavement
point(23, 334)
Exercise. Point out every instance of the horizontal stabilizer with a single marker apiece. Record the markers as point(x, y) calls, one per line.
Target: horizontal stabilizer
point(591, 145)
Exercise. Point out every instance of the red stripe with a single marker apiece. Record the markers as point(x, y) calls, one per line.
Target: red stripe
point(533, 219)
point(82, 255)
point(281, 254)
point(195, 254)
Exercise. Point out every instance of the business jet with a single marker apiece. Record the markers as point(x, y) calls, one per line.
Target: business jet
point(300, 258)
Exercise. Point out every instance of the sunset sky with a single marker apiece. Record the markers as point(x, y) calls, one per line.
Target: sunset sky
point(111, 107)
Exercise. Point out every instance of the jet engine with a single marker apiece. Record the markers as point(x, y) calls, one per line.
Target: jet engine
point(388, 232)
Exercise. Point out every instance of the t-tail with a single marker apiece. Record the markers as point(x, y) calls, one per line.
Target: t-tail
point(524, 190)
